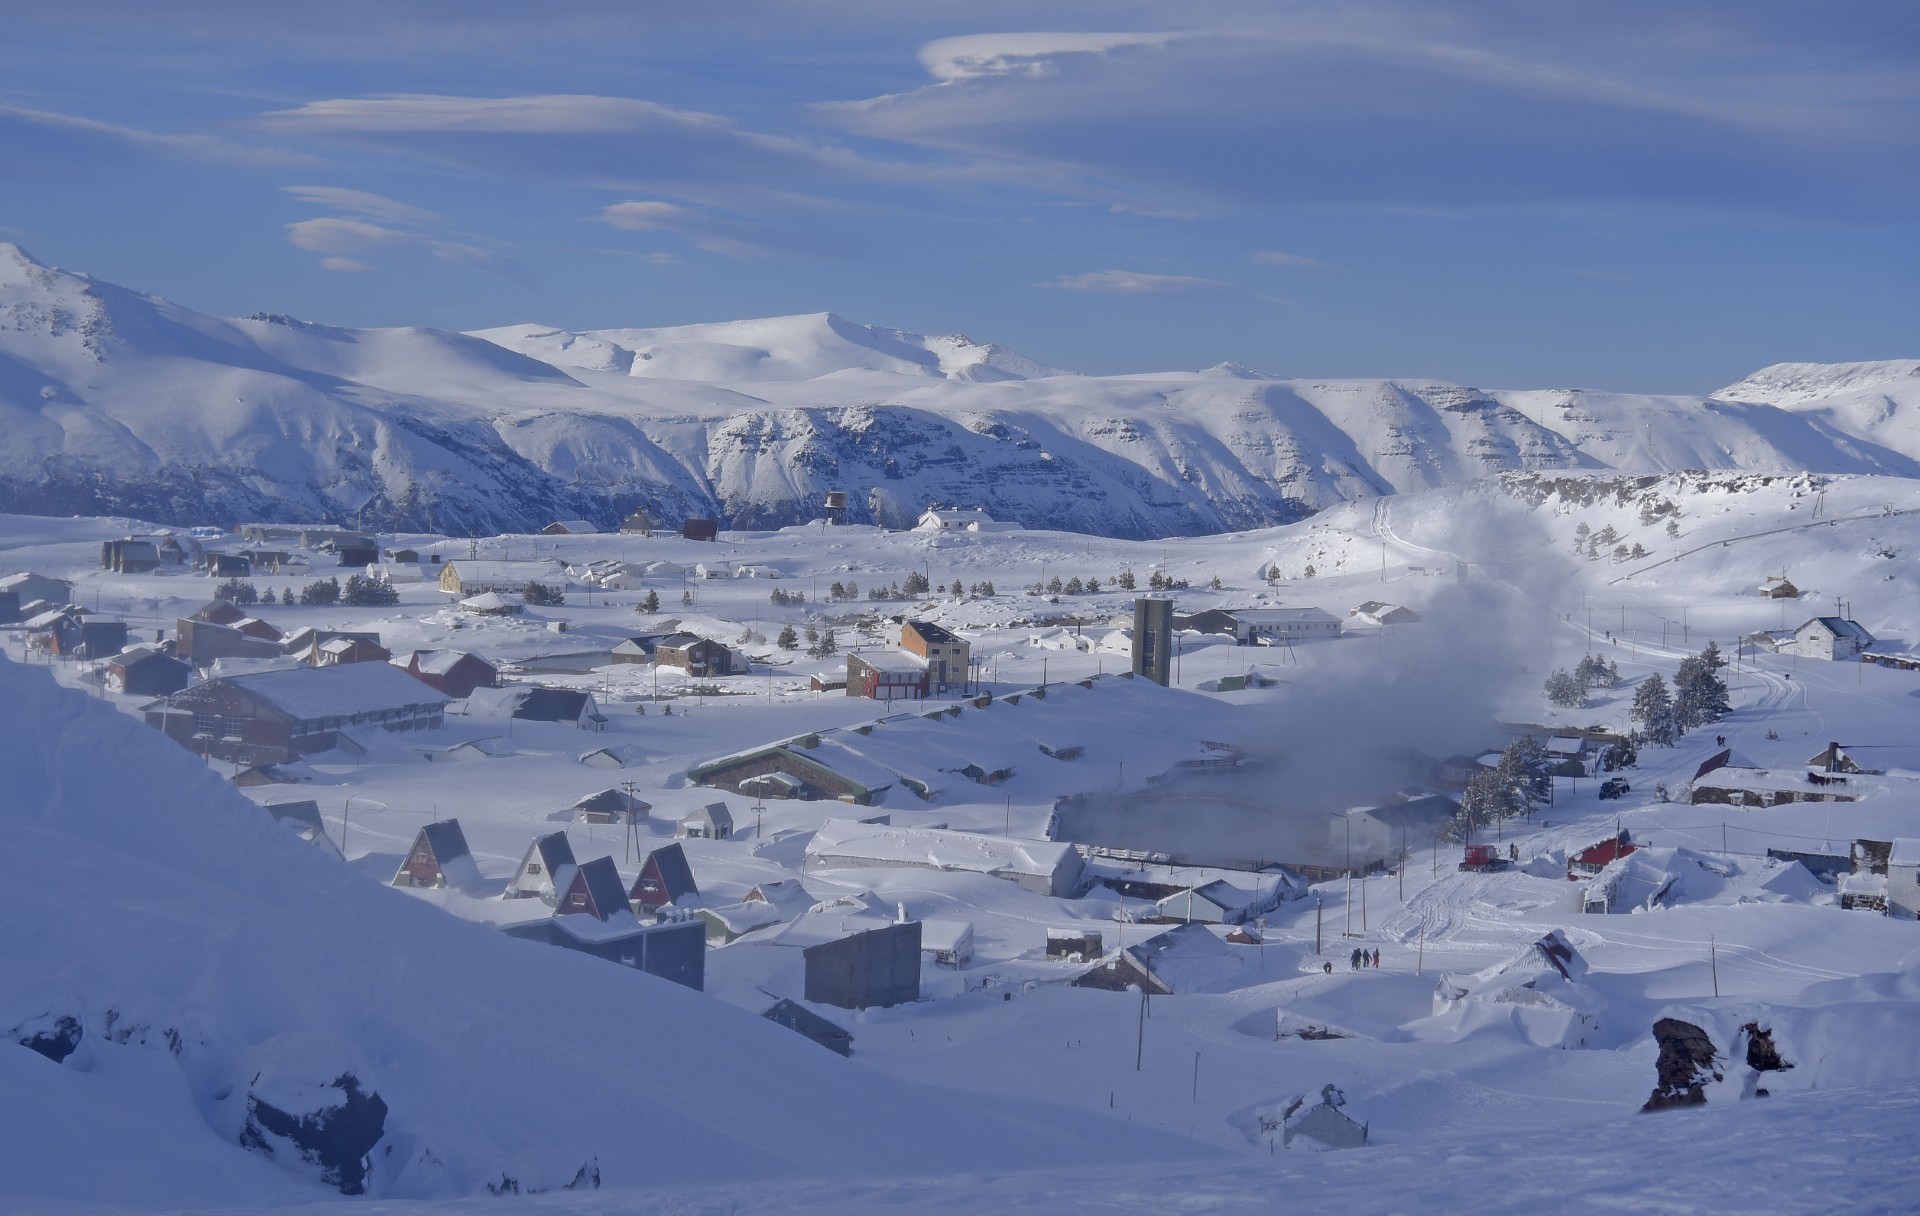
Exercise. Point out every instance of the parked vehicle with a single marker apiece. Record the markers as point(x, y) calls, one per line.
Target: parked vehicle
point(1613, 787)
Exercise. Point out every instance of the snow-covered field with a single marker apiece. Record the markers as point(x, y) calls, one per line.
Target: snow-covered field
point(153, 893)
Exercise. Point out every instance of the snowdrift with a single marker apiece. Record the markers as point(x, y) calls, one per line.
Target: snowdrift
point(195, 977)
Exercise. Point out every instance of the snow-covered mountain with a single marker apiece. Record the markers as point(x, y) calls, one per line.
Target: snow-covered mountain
point(118, 402)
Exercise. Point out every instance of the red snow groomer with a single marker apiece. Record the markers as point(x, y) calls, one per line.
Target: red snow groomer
point(1481, 858)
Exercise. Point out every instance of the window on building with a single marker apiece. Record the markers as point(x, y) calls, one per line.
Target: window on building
point(206, 724)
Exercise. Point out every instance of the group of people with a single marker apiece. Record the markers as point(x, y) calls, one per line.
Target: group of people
point(1365, 958)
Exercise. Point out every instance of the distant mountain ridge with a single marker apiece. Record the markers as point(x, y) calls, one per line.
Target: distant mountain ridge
point(115, 402)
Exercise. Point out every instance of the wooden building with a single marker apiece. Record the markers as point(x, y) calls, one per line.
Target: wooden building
point(439, 858)
point(876, 968)
point(947, 655)
point(888, 675)
point(146, 672)
point(710, 822)
point(676, 951)
point(594, 890)
point(697, 656)
point(467, 578)
point(454, 672)
point(700, 529)
point(665, 878)
point(271, 717)
point(548, 860)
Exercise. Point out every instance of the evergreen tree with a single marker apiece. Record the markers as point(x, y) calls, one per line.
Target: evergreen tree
point(956, 591)
point(1124, 580)
point(1528, 770)
point(1653, 710)
point(1581, 533)
point(1054, 585)
point(788, 639)
point(1093, 583)
point(369, 592)
point(322, 591)
point(1616, 756)
point(1074, 586)
point(652, 602)
point(238, 591)
point(1216, 584)
point(1566, 691)
point(916, 584)
point(1489, 797)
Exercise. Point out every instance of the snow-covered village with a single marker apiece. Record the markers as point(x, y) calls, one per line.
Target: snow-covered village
point(480, 734)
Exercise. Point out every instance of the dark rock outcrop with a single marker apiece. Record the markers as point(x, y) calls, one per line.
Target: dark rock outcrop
point(1686, 1064)
point(1762, 1056)
point(337, 1135)
point(53, 1036)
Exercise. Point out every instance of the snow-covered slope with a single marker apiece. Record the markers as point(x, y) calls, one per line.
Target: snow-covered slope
point(116, 402)
point(207, 955)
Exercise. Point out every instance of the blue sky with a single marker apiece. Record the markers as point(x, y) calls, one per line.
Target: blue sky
point(1637, 195)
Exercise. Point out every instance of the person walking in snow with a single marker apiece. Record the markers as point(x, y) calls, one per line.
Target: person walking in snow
point(1329, 967)
point(1355, 959)
point(1376, 959)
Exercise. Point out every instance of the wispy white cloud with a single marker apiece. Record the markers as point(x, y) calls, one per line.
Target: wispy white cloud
point(363, 203)
point(353, 244)
point(1289, 261)
point(1138, 283)
point(41, 125)
point(637, 215)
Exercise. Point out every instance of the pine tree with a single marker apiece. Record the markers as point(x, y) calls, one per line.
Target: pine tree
point(788, 639)
point(1489, 797)
point(652, 602)
point(1653, 710)
point(1093, 583)
point(1074, 586)
point(1567, 691)
point(916, 584)
point(1581, 534)
point(1125, 580)
point(1528, 771)
point(1216, 584)
point(956, 591)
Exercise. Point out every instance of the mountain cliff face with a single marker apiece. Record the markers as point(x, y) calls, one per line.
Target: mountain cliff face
point(116, 402)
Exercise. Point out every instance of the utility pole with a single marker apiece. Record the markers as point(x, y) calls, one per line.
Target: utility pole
point(1316, 924)
point(1713, 960)
point(1420, 960)
point(1140, 1042)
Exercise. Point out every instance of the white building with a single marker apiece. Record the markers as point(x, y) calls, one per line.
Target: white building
point(1903, 878)
point(1828, 637)
point(954, 519)
point(1266, 626)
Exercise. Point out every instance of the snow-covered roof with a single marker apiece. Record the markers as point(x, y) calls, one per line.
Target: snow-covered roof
point(1281, 616)
point(438, 662)
point(892, 661)
point(1839, 627)
point(937, 848)
point(490, 601)
point(577, 527)
point(1905, 851)
point(945, 935)
point(508, 572)
point(337, 692)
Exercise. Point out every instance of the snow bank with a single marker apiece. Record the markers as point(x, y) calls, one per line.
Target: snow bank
point(212, 958)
